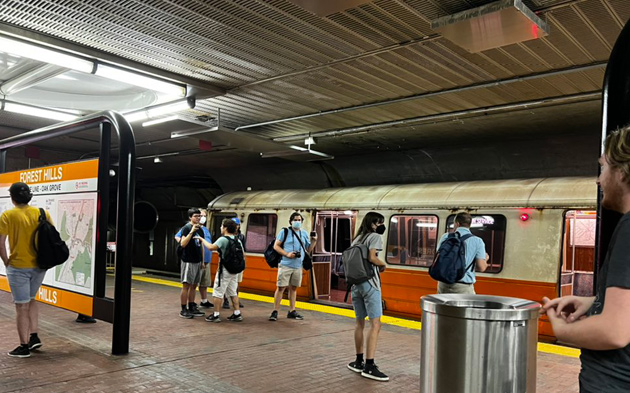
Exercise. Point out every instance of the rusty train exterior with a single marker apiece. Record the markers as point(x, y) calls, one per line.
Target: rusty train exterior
point(539, 233)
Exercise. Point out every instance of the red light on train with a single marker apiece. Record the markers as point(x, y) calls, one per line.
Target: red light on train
point(525, 217)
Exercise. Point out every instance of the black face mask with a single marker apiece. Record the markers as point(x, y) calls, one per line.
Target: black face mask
point(380, 229)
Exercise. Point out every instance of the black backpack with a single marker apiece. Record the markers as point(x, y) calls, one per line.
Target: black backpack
point(449, 265)
point(234, 260)
point(271, 256)
point(50, 249)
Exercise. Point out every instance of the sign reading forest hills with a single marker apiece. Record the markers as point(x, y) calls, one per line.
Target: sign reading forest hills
point(69, 193)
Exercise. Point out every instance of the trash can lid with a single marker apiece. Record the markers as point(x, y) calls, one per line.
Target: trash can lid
point(485, 307)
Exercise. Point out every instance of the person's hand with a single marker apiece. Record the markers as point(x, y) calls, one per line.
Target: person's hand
point(568, 308)
point(195, 227)
point(381, 268)
point(291, 255)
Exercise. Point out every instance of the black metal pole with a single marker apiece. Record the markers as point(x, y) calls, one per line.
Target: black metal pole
point(615, 114)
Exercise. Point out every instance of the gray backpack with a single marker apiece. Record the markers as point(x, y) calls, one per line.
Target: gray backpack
point(356, 265)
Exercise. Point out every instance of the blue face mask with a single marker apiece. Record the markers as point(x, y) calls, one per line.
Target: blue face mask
point(296, 224)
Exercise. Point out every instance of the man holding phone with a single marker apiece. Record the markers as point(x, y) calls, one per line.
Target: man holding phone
point(290, 268)
point(191, 260)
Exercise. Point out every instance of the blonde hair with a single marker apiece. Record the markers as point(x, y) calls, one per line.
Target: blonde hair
point(617, 151)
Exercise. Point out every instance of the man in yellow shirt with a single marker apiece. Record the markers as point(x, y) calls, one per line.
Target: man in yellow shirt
point(25, 278)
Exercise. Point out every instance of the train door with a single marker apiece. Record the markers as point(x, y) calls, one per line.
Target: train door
point(578, 253)
point(334, 231)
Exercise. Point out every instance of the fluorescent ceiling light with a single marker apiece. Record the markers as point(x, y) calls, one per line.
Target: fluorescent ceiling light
point(136, 79)
point(39, 112)
point(158, 121)
point(45, 55)
point(156, 111)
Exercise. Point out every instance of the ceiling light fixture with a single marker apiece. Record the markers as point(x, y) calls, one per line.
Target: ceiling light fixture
point(89, 66)
point(136, 79)
point(157, 110)
point(31, 110)
point(159, 121)
point(35, 52)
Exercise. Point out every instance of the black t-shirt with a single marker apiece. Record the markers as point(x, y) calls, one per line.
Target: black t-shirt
point(193, 252)
point(609, 371)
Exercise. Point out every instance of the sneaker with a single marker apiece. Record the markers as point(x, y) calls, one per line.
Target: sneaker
point(85, 319)
point(240, 305)
point(273, 316)
point(235, 318)
point(186, 314)
point(372, 372)
point(206, 304)
point(213, 318)
point(357, 367)
point(196, 312)
point(226, 304)
point(34, 342)
point(20, 352)
point(294, 315)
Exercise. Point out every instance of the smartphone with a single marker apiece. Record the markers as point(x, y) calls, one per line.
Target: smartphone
point(313, 234)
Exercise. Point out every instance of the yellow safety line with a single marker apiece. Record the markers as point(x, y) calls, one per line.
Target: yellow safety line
point(406, 323)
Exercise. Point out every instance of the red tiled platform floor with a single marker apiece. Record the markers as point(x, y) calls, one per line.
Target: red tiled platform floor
point(171, 354)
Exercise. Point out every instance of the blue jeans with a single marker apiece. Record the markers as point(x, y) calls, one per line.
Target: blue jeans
point(366, 301)
point(24, 283)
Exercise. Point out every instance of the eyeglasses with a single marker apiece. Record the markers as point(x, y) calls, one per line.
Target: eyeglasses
point(196, 215)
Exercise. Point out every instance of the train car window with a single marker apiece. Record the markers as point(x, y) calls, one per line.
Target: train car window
point(261, 230)
point(412, 240)
point(215, 226)
point(491, 229)
point(337, 234)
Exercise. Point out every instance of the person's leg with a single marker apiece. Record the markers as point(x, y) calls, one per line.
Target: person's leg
point(183, 297)
point(360, 314)
point(23, 321)
point(33, 316)
point(277, 298)
point(372, 338)
point(191, 293)
point(292, 297)
point(358, 335)
point(203, 294)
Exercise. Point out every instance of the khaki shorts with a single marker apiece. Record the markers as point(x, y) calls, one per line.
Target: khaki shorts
point(228, 287)
point(456, 288)
point(206, 276)
point(289, 276)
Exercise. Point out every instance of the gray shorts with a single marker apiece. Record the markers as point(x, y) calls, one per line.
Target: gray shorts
point(366, 301)
point(191, 272)
point(24, 283)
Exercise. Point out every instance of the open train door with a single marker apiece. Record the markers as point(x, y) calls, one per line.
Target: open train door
point(335, 230)
point(578, 253)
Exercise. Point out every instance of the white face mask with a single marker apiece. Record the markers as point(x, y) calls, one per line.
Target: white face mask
point(202, 220)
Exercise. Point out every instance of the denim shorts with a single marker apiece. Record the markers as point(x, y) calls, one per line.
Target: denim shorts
point(25, 283)
point(366, 301)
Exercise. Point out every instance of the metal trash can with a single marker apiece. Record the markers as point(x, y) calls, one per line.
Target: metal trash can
point(477, 343)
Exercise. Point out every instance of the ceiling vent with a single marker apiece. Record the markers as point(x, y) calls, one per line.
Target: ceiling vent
point(491, 26)
point(328, 7)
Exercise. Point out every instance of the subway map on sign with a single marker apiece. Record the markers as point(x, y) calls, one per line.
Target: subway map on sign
point(76, 227)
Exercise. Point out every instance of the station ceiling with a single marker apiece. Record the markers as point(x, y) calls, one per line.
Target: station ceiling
point(362, 78)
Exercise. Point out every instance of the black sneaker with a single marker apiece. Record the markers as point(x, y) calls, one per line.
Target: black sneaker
point(186, 314)
point(85, 319)
point(294, 315)
point(226, 304)
point(273, 316)
point(372, 372)
point(357, 367)
point(34, 342)
point(206, 304)
point(20, 352)
point(196, 312)
point(213, 318)
point(235, 318)
point(240, 305)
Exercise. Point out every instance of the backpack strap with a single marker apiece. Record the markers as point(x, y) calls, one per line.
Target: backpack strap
point(286, 233)
point(463, 239)
point(300, 240)
point(40, 219)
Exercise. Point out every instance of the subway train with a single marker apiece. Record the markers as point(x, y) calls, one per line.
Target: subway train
point(539, 234)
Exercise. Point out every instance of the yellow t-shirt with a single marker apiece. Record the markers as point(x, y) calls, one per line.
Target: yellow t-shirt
point(19, 225)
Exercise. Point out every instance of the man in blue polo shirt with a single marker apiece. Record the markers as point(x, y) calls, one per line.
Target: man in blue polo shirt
point(290, 269)
point(475, 250)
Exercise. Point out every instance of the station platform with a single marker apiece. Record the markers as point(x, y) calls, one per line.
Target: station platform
point(172, 354)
